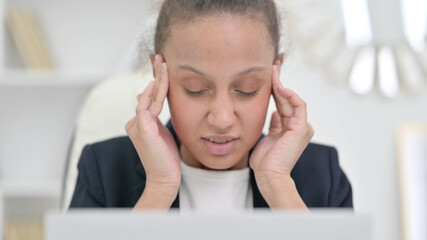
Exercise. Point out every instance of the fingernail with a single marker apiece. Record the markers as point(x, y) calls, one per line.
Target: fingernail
point(163, 67)
point(157, 60)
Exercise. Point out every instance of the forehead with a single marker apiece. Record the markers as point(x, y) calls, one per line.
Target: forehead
point(220, 39)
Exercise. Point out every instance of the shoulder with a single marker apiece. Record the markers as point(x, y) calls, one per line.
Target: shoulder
point(317, 157)
point(115, 146)
point(114, 156)
point(316, 149)
point(109, 153)
point(110, 170)
point(320, 179)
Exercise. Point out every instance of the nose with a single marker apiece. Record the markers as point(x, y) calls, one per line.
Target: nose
point(221, 114)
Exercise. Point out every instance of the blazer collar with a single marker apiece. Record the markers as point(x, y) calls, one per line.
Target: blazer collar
point(258, 200)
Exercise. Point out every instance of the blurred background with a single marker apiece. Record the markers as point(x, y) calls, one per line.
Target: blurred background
point(70, 71)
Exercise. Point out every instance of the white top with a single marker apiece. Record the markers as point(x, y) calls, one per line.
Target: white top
point(214, 191)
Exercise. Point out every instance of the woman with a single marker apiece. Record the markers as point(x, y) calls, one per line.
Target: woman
point(217, 62)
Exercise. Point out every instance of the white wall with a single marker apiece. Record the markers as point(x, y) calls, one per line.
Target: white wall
point(362, 128)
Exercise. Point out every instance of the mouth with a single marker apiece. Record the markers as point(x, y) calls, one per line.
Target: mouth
point(220, 145)
point(220, 139)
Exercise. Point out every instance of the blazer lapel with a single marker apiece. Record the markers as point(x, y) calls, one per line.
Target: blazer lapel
point(258, 199)
point(139, 187)
point(175, 203)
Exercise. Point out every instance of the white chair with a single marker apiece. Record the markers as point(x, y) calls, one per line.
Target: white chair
point(107, 109)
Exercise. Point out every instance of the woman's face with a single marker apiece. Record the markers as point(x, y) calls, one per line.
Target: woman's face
point(220, 84)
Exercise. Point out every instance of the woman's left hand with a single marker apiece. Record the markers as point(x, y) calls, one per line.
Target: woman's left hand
point(276, 154)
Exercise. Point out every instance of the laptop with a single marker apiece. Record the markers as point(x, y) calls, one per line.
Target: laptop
point(124, 225)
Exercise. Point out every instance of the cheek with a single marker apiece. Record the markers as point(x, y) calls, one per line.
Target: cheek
point(182, 105)
point(186, 114)
point(253, 114)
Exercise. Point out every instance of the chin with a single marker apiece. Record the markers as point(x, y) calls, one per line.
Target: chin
point(221, 162)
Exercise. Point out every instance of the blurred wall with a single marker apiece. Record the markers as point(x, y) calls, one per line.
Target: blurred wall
point(362, 128)
point(85, 36)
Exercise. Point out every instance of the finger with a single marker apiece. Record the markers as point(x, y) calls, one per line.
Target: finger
point(138, 97)
point(145, 98)
point(158, 60)
point(143, 123)
point(284, 107)
point(299, 106)
point(275, 124)
point(164, 84)
point(310, 131)
point(277, 62)
point(129, 125)
point(137, 125)
point(162, 90)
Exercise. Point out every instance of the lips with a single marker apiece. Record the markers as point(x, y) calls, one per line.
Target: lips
point(220, 145)
point(220, 139)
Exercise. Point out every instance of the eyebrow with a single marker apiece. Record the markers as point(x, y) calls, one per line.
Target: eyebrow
point(242, 73)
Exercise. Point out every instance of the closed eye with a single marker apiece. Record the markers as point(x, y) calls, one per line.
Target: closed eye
point(201, 92)
point(247, 94)
point(195, 93)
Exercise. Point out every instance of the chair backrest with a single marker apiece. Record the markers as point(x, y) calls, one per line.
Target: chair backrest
point(107, 109)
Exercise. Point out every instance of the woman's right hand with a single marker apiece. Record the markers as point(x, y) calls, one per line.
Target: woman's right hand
point(153, 142)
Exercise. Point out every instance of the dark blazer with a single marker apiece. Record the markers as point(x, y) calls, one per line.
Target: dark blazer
point(111, 175)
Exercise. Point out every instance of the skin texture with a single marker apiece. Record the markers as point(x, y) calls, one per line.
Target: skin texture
point(219, 50)
point(218, 74)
